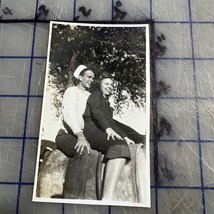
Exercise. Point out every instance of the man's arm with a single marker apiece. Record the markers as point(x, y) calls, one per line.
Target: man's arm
point(70, 116)
point(69, 110)
point(82, 143)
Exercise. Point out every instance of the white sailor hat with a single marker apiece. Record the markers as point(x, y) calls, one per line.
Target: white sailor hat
point(79, 69)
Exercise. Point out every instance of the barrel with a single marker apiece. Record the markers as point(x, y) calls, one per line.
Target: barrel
point(133, 183)
point(131, 187)
point(74, 178)
point(82, 179)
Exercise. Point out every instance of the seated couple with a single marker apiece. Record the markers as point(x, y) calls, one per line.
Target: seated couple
point(88, 123)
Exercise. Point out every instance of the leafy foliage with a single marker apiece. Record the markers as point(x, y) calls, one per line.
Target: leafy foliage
point(121, 51)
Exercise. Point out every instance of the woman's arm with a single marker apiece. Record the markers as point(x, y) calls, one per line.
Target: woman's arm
point(118, 130)
point(100, 112)
point(95, 102)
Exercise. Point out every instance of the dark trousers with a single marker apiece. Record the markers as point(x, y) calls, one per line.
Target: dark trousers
point(66, 142)
point(76, 174)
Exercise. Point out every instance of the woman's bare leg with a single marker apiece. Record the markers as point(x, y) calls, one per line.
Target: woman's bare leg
point(112, 174)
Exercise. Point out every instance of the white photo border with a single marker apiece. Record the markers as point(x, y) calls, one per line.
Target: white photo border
point(148, 109)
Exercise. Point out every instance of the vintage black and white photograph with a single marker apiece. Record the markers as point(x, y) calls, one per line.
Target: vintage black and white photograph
point(93, 145)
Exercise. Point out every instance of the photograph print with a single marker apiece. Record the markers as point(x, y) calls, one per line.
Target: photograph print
point(95, 125)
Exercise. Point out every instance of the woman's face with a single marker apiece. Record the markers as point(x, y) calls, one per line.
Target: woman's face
point(106, 86)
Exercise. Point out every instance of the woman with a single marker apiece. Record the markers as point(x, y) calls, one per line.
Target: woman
point(105, 136)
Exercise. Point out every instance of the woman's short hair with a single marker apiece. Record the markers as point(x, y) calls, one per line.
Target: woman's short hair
point(102, 76)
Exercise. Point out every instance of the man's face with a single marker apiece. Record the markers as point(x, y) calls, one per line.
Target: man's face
point(87, 79)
